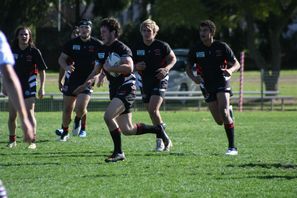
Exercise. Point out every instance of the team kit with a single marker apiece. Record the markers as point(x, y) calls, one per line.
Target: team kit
point(86, 61)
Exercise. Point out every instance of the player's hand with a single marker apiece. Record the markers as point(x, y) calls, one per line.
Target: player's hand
point(41, 93)
point(140, 66)
point(70, 68)
point(162, 72)
point(227, 72)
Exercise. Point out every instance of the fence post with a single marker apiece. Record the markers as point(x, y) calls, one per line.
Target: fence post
point(240, 103)
point(262, 88)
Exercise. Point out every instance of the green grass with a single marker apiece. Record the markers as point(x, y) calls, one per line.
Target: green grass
point(252, 82)
point(196, 167)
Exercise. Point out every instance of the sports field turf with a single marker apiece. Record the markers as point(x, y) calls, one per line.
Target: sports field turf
point(196, 166)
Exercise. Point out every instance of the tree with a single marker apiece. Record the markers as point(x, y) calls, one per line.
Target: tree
point(15, 13)
point(263, 22)
point(267, 27)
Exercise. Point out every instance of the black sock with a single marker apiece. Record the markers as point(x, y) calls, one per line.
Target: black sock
point(76, 121)
point(83, 122)
point(229, 128)
point(163, 125)
point(65, 131)
point(116, 138)
point(143, 129)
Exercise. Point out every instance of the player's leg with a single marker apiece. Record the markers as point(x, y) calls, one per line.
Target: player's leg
point(223, 99)
point(68, 106)
point(80, 109)
point(214, 110)
point(83, 132)
point(12, 125)
point(154, 111)
point(30, 107)
point(114, 109)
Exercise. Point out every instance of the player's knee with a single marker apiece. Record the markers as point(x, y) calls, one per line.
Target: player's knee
point(128, 130)
point(107, 119)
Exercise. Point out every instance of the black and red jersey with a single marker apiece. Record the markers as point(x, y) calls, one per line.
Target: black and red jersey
point(115, 82)
point(209, 62)
point(154, 57)
point(83, 54)
point(27, 64)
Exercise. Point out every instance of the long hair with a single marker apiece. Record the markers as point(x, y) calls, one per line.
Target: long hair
point(15, 42)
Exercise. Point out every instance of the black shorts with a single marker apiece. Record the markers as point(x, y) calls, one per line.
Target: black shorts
point(127, 94)
point(29, 93)
point(67, 90)
point(157, 89)
point(212, 95)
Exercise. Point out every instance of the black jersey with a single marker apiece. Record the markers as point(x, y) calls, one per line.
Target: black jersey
point(83, 54)
point(115, 82)
point(209, 61)
point(27, 64)
point(154, 57)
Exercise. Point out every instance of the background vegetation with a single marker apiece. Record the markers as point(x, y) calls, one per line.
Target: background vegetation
point(264, 29)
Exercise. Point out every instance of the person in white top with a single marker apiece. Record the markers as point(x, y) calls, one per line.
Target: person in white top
point(13, 87)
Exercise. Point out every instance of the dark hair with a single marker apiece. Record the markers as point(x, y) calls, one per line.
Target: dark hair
point(112, 24)
point(85, 22)
point(211, 25)
point(15, 42)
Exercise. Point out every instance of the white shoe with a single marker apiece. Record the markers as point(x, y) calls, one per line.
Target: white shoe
point(32, 146)
point(159, 145)
point(168, 146)
point(76, 129)
point(11, 144)
point(115, 157)
point(64, 138)
point(232, 151)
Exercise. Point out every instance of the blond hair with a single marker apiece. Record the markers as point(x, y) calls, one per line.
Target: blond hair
point(151, 24)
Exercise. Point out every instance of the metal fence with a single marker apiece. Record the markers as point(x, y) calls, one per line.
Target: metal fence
point(174, 100)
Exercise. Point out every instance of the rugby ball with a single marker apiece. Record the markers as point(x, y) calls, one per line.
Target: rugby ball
point(114, 60)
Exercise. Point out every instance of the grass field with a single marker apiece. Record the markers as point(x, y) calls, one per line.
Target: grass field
point(196, 166)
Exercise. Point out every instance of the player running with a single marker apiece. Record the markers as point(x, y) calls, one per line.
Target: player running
point(122, 89)
point(153, 59)
point(77, 59)
point(215, 62)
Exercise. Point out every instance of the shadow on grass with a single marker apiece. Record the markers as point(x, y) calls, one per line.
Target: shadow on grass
point(29, 164)
point(269, 166)
point(266, 165)
point(64, 154)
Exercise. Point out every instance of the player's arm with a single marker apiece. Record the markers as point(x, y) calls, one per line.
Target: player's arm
point(63, 63)
point(13, 87)
point(234, 66)
point(189, 70)
point(125, 66)
point(42, 76)
point(61, 77)
point(170, 60)
point(90, 80)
